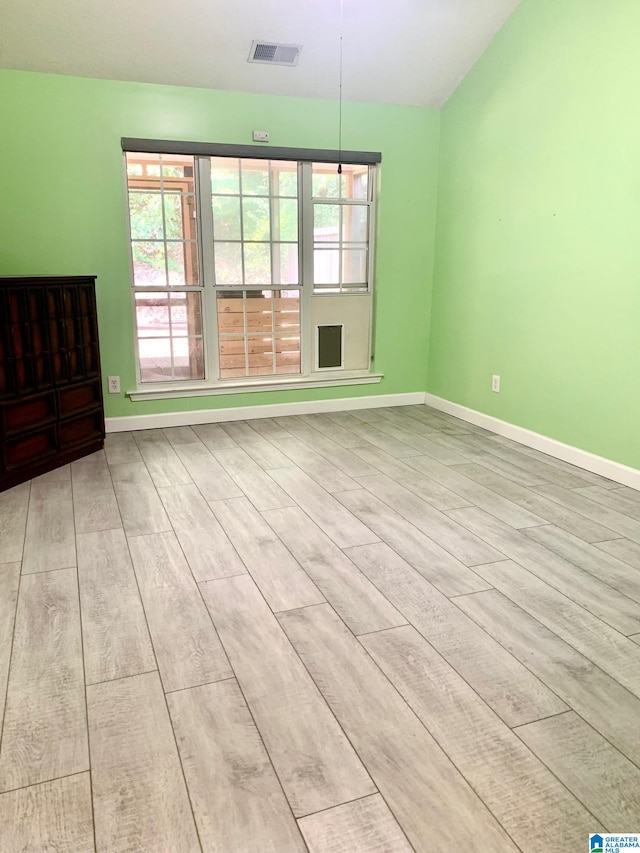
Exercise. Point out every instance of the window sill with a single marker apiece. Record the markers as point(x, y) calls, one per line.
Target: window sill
point(326, 380)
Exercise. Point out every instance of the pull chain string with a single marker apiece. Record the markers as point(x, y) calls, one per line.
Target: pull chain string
point(340, 92)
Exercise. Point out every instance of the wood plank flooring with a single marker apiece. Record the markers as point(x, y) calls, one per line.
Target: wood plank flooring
point(366, 632)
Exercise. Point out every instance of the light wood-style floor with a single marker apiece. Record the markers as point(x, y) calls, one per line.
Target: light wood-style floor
point(381, 631)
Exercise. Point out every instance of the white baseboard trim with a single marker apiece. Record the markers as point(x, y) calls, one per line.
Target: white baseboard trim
point(270, 410)
point(615, 471)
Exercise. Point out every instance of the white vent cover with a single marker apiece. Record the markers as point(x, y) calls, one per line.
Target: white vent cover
point(271, 53)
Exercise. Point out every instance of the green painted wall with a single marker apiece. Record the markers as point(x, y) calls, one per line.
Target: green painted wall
point(537, 273)
point(62, 203)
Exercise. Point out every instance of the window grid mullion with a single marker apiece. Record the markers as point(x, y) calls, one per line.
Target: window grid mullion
point(305, 263)
point(352, 202)
point(270, 200)
point(246, 332)
point(164, 236)
point(166, 271)
point(340, 224)
point(244, 277)
point(273, 331)
point(207, 261)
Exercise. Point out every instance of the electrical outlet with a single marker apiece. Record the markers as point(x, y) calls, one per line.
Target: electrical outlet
point(495, 384)
point(260, 135)
point(114, 384)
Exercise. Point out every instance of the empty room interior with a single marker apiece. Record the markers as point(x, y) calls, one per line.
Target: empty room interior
point(319, 426)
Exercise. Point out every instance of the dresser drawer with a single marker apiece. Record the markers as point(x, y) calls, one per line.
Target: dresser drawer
point(78, 398)
point(81, 429)
point(18, 416)
point(21, 451)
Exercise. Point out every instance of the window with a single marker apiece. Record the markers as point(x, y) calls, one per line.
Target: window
point(228, 255)
point(340, 228)
point(255, 243)
point(164, 252)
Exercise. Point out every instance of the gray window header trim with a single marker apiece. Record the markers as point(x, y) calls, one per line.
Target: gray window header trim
point(255, 152)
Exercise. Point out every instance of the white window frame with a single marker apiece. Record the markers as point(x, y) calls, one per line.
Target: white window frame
point(310, 376)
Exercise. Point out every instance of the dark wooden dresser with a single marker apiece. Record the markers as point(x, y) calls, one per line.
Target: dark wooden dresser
point(50, 385)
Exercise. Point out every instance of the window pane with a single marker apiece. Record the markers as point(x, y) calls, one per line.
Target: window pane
point(155, 359)
point(188, 359)
point(174, 169)
point(259, 344)
point(355, 180)
point(178, 216)
point(170, 324)
point(225, 175)
point(266, 312)
point(228, 262)
point(257, 263)
point(285, 263)
point(192, 274)
point(149, 264)
point(230, 313)
point(354, 266)
point(175, 262)
point(354, 222)
point(255, 177)
point(286, 225)
point(143, 164)
point(255, 218)
point(152, 315)
point(145, 216)
point(186, 313)
point(177, 166)
point(325, 183)
point(183, 272)
point(259, 311)
point(287, 353)
point(232, 357)
point(226, 217)
point(261, 356)
point(351, 184)
point(326, 222)
point(271, 342)
point(286, 308)
point(326, 266)
point(284, 177)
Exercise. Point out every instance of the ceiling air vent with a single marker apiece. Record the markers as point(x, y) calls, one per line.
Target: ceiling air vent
point(271, 53)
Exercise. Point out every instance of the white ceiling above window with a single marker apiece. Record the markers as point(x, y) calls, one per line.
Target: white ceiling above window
point(404, 51)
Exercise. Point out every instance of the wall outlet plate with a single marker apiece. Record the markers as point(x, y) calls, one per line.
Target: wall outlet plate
point(113, 384)
point(260, 135)
point(495, 384)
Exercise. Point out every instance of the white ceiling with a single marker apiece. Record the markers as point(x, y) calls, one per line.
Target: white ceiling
point(403, 52)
